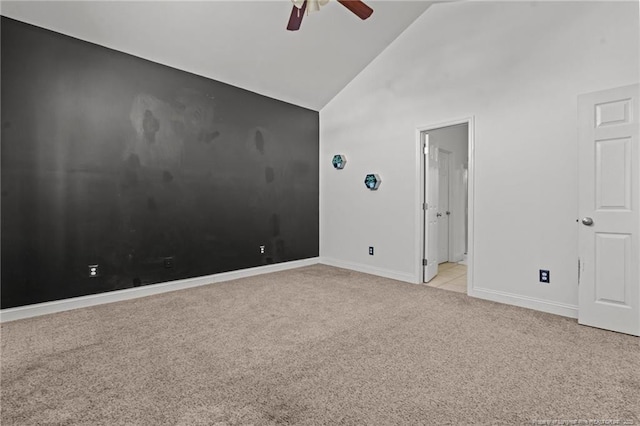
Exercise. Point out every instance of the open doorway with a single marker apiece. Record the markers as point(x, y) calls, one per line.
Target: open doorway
point(445, 180)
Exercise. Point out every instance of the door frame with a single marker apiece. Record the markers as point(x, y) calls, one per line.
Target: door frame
point(419, 196)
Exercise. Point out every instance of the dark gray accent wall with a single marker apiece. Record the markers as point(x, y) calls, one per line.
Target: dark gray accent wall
point(112, 160)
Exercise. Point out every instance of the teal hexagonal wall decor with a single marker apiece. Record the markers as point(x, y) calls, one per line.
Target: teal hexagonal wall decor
point(372, 181)
point(339, 161)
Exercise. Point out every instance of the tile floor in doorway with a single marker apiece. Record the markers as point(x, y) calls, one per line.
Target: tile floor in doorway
point(451, 276)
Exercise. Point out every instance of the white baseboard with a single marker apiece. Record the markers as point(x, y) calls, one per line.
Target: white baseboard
point(368, 269)
point(12, 314)
point(21, 312)
point(563, 309)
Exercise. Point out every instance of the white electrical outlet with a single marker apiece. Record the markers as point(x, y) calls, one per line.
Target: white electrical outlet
point(93, 271)
point(261, 249)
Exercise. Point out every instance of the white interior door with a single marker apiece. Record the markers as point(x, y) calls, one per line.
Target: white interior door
point(443, 213)
point(430, 263)
point(609, 210)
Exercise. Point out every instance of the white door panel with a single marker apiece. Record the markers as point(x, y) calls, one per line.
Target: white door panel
point(609, 197)
point(430, 214)
point(612, 262)
point(613, 174)
point(443, 206)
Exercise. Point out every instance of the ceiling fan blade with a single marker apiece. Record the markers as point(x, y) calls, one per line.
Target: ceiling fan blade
point(296, 17)
point(359, 8)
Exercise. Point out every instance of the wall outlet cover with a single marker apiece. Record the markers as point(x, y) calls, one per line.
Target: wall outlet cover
point(545, 276)
point(94, 271)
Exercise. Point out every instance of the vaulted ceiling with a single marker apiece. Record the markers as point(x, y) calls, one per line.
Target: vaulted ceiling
point(243, 43)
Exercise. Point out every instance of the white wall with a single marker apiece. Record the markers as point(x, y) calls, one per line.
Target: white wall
point(454, 139)
point(517, 68)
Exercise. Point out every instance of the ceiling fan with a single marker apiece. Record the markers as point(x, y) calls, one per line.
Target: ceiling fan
point(301, 6)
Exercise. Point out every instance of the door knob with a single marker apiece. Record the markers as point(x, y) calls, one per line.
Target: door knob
point(448, 213)
point(438, 214)
point(587, 221)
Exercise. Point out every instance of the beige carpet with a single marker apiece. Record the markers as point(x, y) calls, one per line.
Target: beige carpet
point(314, 346)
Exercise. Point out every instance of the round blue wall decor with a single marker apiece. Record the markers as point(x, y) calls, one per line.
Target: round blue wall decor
point(339, 161)
point(372, 181)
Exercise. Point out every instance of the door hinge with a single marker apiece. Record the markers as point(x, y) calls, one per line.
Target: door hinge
point(426, 149)
point(425, 206)
point(424, 262)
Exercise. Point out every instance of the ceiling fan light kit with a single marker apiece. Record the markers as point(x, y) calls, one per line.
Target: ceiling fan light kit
point(311, 5)
point(300, 7)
